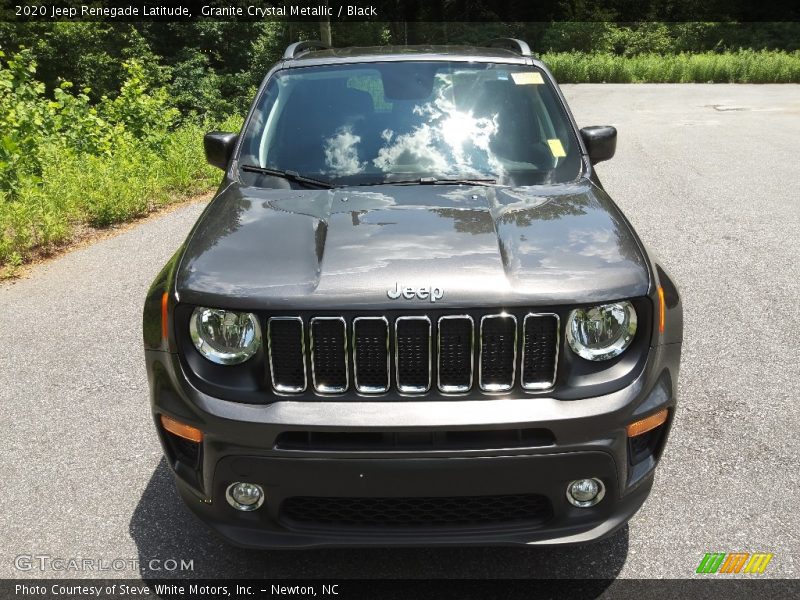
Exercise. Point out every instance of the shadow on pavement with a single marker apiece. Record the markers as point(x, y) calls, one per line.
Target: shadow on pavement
point(163, 528)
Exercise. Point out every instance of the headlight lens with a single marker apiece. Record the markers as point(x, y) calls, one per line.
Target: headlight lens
point(225, 337)
point(601, 332)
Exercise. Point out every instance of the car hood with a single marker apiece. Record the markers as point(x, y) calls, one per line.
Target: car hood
point(348, 247)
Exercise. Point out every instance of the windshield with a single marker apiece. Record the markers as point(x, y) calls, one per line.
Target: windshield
point(402, 121)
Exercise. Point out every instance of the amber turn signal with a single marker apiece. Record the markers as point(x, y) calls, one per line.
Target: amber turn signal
point(647, 424)
point(662, 309)
point(187, 432)
point(164, 316)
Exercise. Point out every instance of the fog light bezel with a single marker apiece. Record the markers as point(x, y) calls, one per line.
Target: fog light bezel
point(601, 492)
point(244, 507)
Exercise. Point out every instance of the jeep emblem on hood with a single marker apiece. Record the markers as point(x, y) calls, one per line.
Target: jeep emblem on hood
point(409, 292)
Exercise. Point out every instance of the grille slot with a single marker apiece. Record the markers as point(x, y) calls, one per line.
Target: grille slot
point(287, 351)
point(498, 354)
point(412, 352)
point(371, 354)
point(540, 336)
point(407, 513)
point(328, 341)
point(456, 347)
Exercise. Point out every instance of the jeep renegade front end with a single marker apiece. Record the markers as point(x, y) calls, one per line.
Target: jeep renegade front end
point(411, 314)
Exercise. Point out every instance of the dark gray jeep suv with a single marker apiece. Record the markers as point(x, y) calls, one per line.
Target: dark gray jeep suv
point(411, 314)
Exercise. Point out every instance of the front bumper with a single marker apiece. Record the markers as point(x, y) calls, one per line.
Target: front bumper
point(588, 440)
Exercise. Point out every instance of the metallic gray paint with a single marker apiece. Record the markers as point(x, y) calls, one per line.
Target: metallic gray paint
point(264, 249)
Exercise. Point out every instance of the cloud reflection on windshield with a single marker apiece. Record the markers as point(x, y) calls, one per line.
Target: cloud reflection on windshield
point(444, 140)
point(341, 154)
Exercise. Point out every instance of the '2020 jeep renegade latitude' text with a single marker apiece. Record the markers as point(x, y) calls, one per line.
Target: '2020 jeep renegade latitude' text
point(411, 314)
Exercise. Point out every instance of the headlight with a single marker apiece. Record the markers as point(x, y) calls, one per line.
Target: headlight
point(601, 332)
point(224, 336)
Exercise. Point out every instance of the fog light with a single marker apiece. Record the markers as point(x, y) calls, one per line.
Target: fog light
point(245, 496)
point(585, 492)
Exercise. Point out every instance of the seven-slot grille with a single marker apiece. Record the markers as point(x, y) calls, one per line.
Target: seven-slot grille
point(371, 354)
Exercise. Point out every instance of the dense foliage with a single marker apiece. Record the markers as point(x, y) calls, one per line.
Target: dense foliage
point(102, 122)
point(66, 160)
point(211, 68)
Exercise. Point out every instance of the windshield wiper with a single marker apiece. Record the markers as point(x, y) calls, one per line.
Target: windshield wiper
point(433, 181)
point(290, 175)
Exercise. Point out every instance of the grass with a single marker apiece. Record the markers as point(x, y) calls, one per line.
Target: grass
point(76, 191)
point(744, 66)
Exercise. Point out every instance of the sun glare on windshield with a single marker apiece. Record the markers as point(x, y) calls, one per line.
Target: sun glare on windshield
point(354, 124)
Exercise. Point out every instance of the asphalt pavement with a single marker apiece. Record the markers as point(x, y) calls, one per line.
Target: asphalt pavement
point(706, 174)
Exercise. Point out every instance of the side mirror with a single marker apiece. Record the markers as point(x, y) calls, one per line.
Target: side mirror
point(219, 147)
point(601, 142)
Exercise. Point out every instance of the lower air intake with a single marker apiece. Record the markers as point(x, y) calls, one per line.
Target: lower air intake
point(387, 513)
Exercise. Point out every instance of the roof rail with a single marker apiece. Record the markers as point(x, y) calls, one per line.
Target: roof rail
point(292, 50)
point(512, 44)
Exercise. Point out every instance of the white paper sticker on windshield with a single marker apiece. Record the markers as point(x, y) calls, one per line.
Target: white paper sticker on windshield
point(529, 78)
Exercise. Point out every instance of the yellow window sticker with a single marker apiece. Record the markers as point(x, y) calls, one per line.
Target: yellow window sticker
point(530, 78)
point(556, 148)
